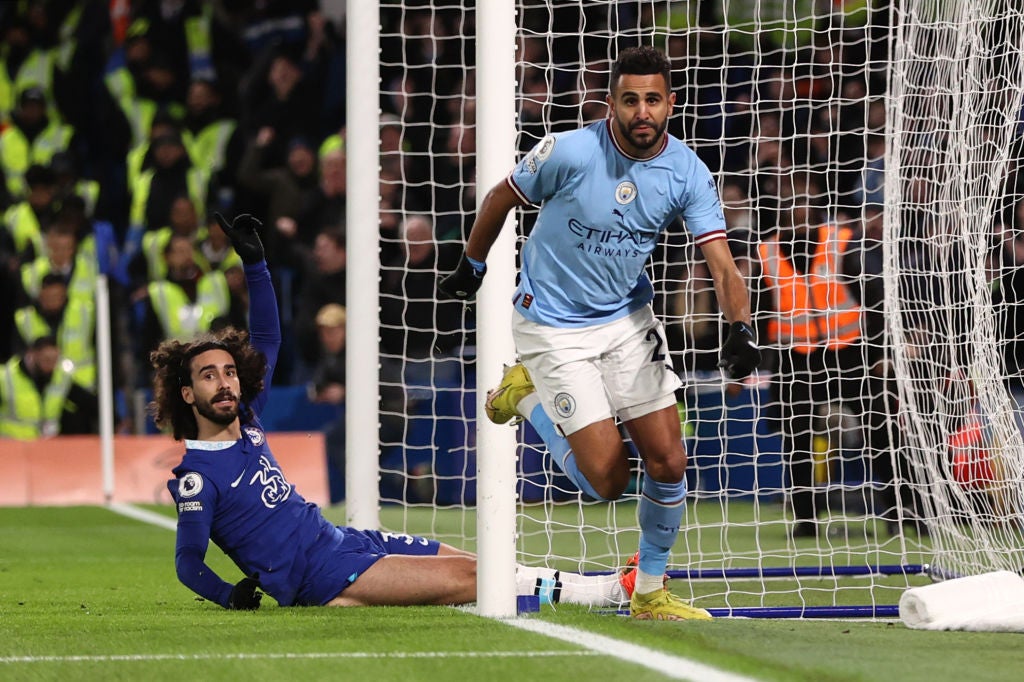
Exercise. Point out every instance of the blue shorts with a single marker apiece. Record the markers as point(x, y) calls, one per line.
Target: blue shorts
point(336, 561)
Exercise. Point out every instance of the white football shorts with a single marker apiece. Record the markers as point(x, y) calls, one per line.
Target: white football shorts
point(587, 374)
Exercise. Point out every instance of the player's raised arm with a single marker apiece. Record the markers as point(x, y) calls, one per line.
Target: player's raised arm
point(264, 319)
point(469, 274)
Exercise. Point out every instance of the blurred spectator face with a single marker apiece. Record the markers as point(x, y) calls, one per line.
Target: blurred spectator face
point(768, 152)
point(179, 255)
point(137, 51)
point(333, 172)
point(769, 126)
point(160, 129)
point(301, 160)
point(873, 222)
point(534, 97)
point(876, 114)
point(63, 169)
point(32, 107)
point(38, 20)
point(183, 216)
point(201, 97)
point(330, 326)
point(52, 297)
point(332, 339)
point(532, 50)
point(419, 239)
point(284, 75)
point(17, 38)
point(390, 138)
point(805, 194)
point(736, 207)
point(61, 246)
point(328, 255)
point(168, 152)
point(161, 77)
point(41, 362)
point(462, 142)
point(40, 197)
point(854, 90)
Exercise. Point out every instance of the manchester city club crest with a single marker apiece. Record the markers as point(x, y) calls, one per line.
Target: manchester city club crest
point(625, 192)
point(565, 405)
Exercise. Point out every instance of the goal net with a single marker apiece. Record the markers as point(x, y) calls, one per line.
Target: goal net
point(898, 126)
point(953, 233)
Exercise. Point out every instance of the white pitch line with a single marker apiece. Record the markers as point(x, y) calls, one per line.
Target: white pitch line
point(144, 515)
point(676, 667)
point(135, 658)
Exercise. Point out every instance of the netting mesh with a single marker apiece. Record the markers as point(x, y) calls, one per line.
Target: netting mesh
point(957, 86)
point(899, 129)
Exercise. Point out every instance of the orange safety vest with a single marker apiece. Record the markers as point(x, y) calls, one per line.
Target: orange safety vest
point(971, 446)
point(814, 310)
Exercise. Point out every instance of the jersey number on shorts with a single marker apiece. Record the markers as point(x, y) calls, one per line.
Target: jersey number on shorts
point(657, 355)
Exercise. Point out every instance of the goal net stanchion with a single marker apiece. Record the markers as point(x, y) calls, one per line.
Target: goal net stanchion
point(761, 96)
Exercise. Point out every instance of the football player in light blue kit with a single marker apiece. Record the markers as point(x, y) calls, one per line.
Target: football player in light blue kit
point(229, 488)
point(590, 349)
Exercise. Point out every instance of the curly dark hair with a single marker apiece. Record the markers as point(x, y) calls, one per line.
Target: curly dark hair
point(172, 362)
point(641, 61)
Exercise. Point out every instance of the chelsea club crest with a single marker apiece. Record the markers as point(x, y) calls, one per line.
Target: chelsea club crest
point(254, 434)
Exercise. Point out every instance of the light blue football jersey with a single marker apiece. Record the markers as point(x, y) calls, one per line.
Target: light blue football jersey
point(602, 213)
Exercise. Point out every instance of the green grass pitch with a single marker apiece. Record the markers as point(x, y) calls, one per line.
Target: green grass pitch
point(86, 594)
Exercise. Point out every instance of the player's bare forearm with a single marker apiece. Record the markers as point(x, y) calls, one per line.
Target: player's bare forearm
point(730, 288)
point(490, 219)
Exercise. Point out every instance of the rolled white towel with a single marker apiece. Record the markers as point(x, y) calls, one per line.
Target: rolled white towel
point(990, 602)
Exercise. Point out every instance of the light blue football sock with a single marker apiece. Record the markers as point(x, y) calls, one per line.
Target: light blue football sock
point(660, 511)
point(560, 451)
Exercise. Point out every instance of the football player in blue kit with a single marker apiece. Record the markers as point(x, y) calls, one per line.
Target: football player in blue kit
point(590, 349)
point(229, 488)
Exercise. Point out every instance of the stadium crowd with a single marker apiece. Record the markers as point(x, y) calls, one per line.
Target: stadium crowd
point(127, 123)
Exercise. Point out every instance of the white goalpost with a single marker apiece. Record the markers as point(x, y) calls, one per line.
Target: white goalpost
point(899, 121)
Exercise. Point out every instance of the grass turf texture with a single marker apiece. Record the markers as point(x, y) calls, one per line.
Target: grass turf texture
point(84, 582)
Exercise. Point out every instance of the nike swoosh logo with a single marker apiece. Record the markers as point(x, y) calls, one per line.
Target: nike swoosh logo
point(234, 484)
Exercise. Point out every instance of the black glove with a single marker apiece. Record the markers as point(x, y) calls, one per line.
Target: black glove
point(244, 236)
point(740, 355)
point(244, 595)
point(464, 282)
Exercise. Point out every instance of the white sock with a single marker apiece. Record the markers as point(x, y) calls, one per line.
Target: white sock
point(527, 576)
point(525, 406)
point(647, 583)
point(592, 590)
point(561, 587)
